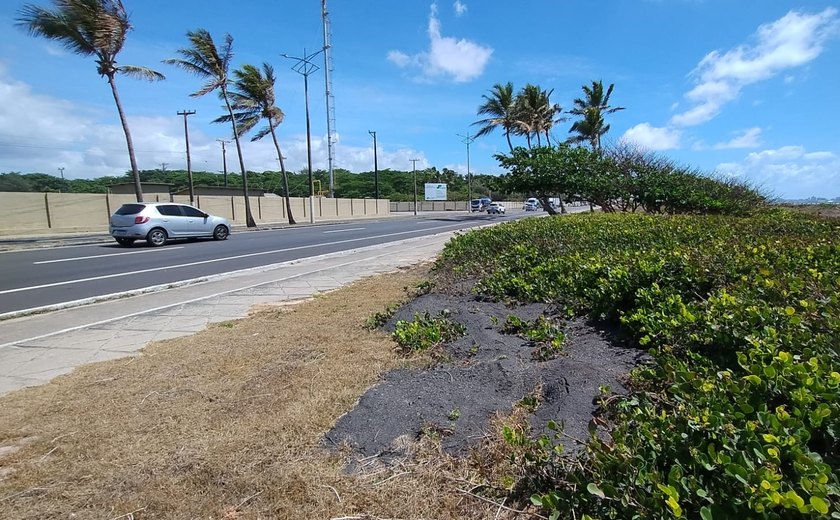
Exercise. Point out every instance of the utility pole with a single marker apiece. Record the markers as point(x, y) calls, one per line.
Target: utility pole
point(63, 187)
point(304, 67)
point(467, 140)
point(224, 159)
point(414, 169)
point(186, 113)
point(328, 93)
point(163, 166)
point(375, 167)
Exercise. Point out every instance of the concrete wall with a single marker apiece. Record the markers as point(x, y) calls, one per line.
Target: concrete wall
point(449, 205)
point(43, 213)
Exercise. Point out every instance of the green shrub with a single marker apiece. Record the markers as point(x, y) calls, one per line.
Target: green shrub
point(739, 413)
point(426, 331)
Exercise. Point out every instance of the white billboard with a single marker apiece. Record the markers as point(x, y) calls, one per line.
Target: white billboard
point(435, 191)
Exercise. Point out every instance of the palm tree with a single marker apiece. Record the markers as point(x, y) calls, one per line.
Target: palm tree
point(592, 110)
point(500, 105)
point(252, 101)
point(207, 61)
point(535, 114)
point(92, 28)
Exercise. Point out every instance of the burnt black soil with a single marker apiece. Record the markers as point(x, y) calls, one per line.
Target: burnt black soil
point(486, 372)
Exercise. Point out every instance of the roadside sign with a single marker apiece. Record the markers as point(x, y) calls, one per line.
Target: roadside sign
point(435, 191)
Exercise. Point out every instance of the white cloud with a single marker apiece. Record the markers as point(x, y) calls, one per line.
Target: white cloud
point(791, 41)
point(789, 172)
point(400, 59)
point(461, 60)
point(459, 7)
point(89, 143)
point(652, 138)
point(750, 138)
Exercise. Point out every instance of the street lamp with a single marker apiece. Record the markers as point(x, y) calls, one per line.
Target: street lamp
point(414, 169)
point(375, 167)
point(186, 113)
point(224, 159)
point(304, 67)
point(468, 139)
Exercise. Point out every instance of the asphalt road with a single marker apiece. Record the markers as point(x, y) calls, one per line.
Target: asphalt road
point(36, 278)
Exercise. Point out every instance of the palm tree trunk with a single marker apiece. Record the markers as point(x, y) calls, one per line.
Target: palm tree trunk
point(283, 171)
point(507, 135)
point(138, 188)
point(249, 218)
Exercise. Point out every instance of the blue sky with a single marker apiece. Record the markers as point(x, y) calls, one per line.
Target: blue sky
point(746, 88)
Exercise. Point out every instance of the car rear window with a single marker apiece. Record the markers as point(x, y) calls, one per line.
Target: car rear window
point(130, 209)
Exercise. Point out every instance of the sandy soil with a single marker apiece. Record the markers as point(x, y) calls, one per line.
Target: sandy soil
point(488, 373)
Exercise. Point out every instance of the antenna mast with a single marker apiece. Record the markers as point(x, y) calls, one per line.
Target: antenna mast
point(328, 67)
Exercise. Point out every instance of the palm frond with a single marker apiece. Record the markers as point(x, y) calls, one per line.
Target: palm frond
point(140, 73)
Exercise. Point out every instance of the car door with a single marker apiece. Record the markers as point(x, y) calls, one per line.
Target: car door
point(197, 222)
point(172, 219)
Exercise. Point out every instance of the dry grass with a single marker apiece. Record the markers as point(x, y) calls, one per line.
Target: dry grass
point(226, 424)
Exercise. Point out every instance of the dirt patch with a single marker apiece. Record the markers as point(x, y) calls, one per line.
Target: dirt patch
point(487, 374)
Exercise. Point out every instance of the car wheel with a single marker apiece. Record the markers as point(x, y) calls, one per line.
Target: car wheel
point(220, 233)
point(125, 242)
point(156, 237)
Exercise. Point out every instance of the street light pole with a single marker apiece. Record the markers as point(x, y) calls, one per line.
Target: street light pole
point(375, 167)
point(468, 139)
point(304, 67)
point(224, 159)
point(414, 169)
point(186, 113)
point(63, 187)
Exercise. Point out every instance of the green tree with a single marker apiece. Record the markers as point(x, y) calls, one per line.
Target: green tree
point(253, 100)
point(92, 28)
point(500, 106)
point(546, 171)
point(212, 63)
point(591, 110)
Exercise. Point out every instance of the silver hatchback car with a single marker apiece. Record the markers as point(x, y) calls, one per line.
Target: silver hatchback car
point(157, 222)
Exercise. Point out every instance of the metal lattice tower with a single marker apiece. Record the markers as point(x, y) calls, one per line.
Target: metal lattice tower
point(328, 68)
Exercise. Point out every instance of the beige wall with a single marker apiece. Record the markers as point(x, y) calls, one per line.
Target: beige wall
point(43, 213)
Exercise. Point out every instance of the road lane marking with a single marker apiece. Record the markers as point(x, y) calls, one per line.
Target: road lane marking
point(105, 256)
point(192, 300)
point(343, 230)
point(237, 257)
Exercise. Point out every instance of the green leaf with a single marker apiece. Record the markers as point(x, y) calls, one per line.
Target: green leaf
point(595, 490)
point(705, 513)
point(754, 379)
point(819, 505)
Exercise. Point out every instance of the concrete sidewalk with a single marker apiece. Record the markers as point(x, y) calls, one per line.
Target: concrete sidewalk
point(35, 349)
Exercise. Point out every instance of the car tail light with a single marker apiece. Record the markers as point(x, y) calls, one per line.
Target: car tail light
point(141, 220)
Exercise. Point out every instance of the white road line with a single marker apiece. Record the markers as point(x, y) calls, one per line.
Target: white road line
point(193, 300)
point(261, 253)
point(343, 230)
point(105, 256)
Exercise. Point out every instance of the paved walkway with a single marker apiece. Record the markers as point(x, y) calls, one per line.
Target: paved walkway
point(35, 349)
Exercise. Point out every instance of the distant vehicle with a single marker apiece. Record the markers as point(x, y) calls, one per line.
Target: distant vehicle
point(496, 208)
point(158, 222)
point(475, 205)
point(485, 201)
point(531, 204)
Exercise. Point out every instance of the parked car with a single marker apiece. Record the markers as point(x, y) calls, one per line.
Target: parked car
point(496, 208)
point(158, 222)
point(531, 204)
